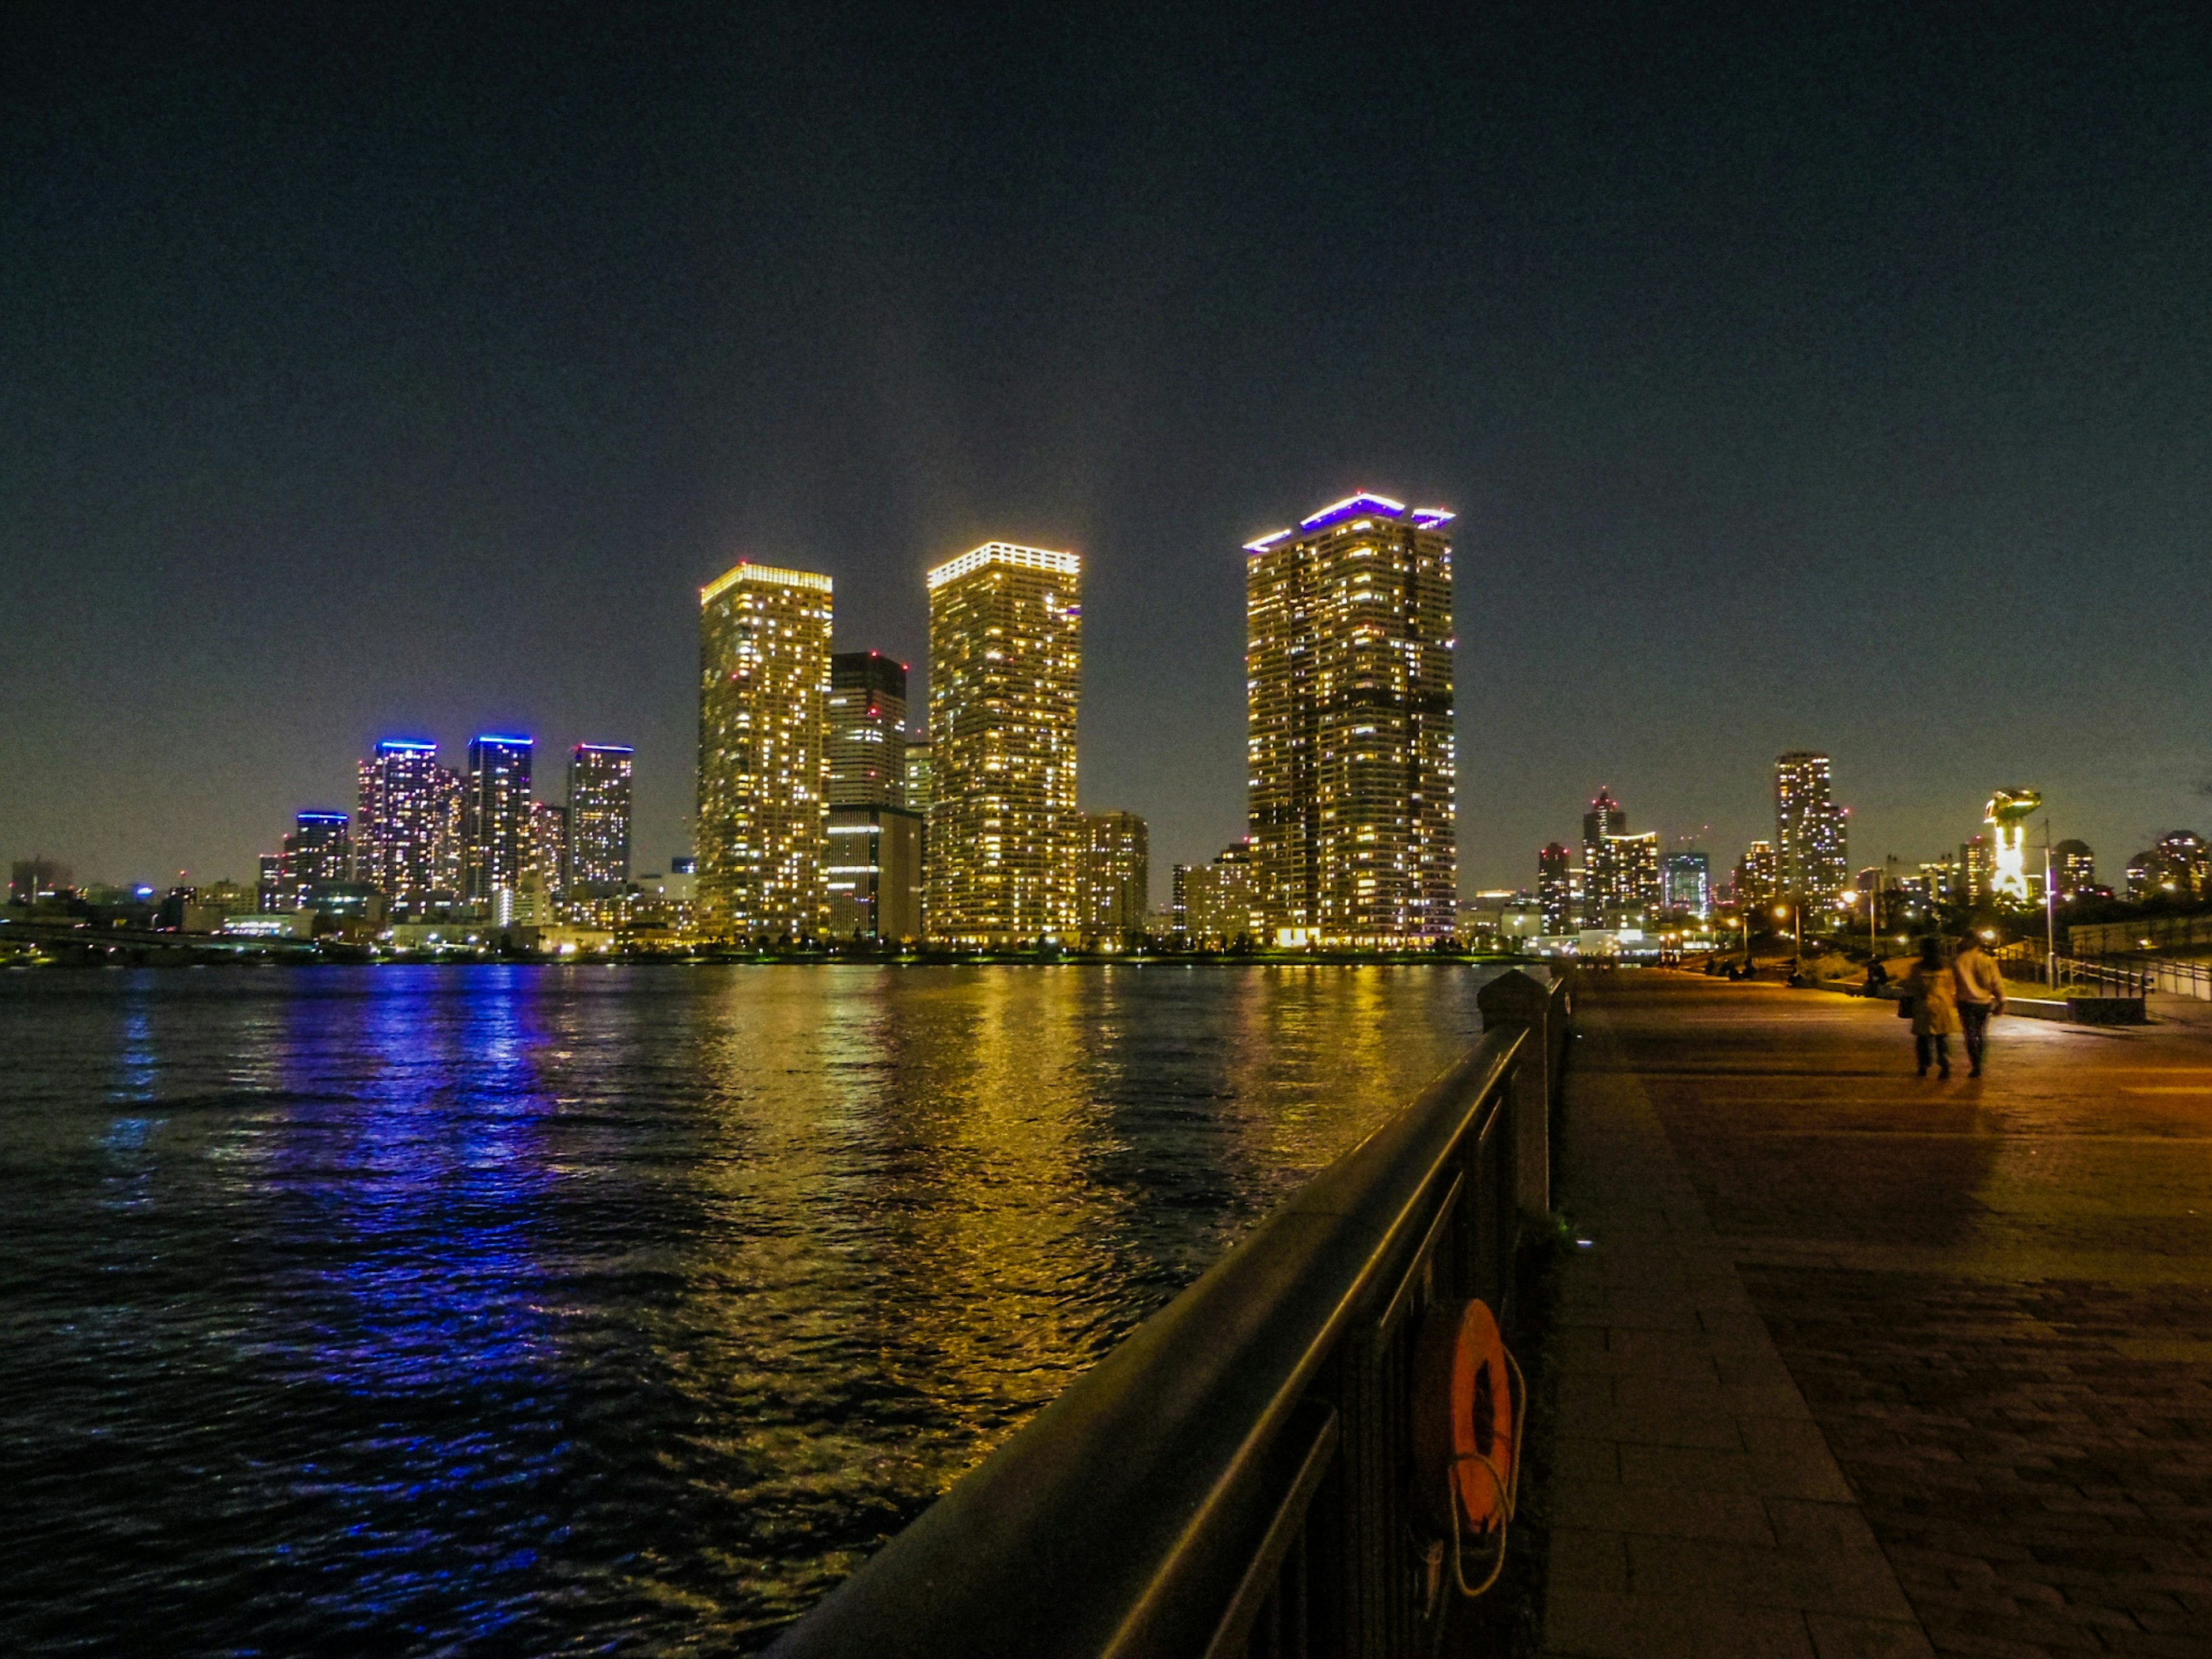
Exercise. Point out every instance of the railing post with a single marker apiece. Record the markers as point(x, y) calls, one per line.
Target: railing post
point(1515, 999)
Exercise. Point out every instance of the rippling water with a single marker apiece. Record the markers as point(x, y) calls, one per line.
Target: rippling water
point(517, 1309)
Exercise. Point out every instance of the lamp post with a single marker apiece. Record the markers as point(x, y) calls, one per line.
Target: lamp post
point(2050, 915)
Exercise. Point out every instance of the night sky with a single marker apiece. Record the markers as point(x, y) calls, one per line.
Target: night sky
point(1837, 382)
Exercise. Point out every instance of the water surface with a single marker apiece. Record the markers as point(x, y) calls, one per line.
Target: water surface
point(520, 1309)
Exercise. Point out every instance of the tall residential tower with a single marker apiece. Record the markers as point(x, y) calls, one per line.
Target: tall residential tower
point(1351, 774)
point(1811, 852)
point(598, 819)
point(409, 831)
point(1005, 673)
point(763, 763)
point(874, 866)
point(495, 817)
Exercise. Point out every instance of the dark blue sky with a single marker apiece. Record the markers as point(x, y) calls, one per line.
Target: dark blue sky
point(1833, 381)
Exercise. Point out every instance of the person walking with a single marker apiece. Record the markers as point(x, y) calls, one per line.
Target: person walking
point(1935, 996)
point(1980, 985)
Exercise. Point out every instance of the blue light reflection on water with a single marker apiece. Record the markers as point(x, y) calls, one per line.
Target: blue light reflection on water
point(517, 1309)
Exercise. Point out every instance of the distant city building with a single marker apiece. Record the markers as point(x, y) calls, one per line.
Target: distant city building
point(269, 889)
point(1811, 836)
point(547, 858)
point(1223, 900)
point(320, 848)
point(920, 775)
point(1687, 880)
point(1977, 869)
point(1005, 674)
point(1757, 876)
point(763, 763)
point(2179, 867)
point(2073, 868)
point(1602, 894)
point(867, 730)
point(1633, 866)
point(30, 880)
point(599, 789)
point(1117, 874)
point(494, 815)
point(874, 873)
point(1179, 898)
point(1351, 767)
point(1555, 894)
point(408, 831)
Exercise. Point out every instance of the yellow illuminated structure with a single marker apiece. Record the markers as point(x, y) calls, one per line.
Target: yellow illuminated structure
point(1351, 774)
point(1117, 874)
point(764, 757)
point(2007, 815)
point(1005, 844)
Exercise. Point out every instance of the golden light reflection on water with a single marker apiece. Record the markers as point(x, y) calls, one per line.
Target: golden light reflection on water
point(559, 1307)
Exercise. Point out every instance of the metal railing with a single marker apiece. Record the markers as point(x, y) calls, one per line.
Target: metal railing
point(1235, 1479)
point(2136, 975)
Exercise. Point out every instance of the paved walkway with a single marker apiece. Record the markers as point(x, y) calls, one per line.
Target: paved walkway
point(1860, 1364)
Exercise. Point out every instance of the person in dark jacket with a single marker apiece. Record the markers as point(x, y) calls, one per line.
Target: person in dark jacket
point(1935, 1008)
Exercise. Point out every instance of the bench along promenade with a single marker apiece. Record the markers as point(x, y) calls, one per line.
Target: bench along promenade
point(1835, 1361)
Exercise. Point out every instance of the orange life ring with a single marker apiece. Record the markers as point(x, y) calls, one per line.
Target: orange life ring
point(1465, 1432)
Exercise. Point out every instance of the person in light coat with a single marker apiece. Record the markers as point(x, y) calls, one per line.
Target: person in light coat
point(1935, 994)
point(1980, 987)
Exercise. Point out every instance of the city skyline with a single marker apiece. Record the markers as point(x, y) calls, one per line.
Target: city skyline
point(1763, 418)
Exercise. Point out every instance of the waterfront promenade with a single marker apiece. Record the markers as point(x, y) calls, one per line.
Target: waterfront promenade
point(1857, 1363)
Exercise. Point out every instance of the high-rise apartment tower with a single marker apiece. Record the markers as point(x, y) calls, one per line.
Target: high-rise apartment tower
point(1811, 850)
point(408, 832)
point(318, 849)
point(1117, 874)
point(763, 759)
point(1005, 673)
point(1350, 751)
point(867, 730)
point(598, 819)
point(495, 817)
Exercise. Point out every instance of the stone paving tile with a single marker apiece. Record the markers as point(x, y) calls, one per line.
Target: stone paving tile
point(1994, 1299)
point(1695, 1509)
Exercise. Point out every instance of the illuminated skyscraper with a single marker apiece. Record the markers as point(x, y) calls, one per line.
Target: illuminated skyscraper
point(1350, 773)
point(875, 843)
point(318, 849)
point(867, 730)
point(1555, 889)
point(764, 757)
point(1117, 874)
point(2073, 868)
point(1005, 673)
point(407, 836)
point(495, 817)
point(1686, 879)
point(1633, 862)
point(547, 858)
point(1603, 895)
point(920, 773)
point(1811, 846)
point(1755, 875)
point(598, 819)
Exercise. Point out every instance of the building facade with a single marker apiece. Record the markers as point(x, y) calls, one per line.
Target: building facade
point(1005, 675)
point(1757, 877)
point(1117, 874)
point(873, 872)
point(1224, 902)
point(317, 850)
point(763, 758)
point(867, 730)
point(600, 788)
point(1686, 880)
point(1811, 840)
point(1602, 894)
point(407, 832)
point(2073, 869)
point(495, 817)
point(1351, 757)
point(1555, 896)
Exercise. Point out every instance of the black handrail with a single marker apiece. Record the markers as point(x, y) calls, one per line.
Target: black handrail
point(1231, 1479)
